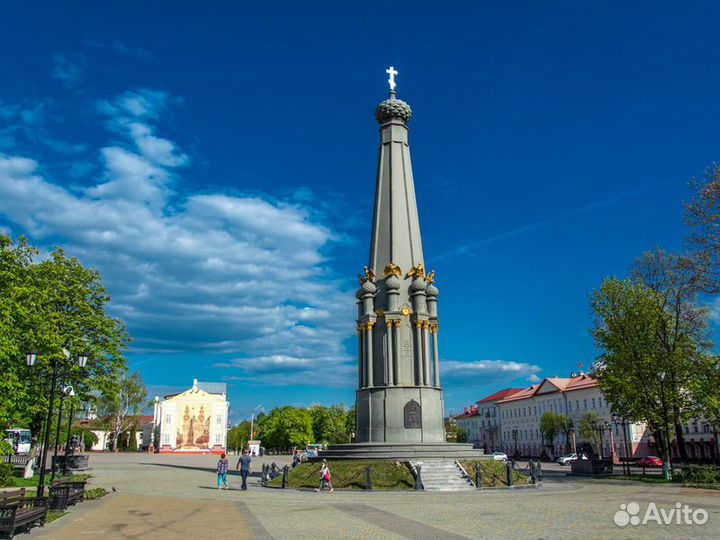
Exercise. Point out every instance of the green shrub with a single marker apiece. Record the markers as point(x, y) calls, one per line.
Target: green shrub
point(701, 474)
point(95, 493)
point(6, 448)
point(132, 441)
point(6, 475)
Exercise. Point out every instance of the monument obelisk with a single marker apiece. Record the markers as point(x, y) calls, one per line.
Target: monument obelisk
point(399, 400)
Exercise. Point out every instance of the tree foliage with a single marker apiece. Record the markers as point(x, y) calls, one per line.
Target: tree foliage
point(331, 425)
point(120, 403)
point(654, 345)
point(589, 429)
point(285, 428)
point(551, 425)
point(45, 306)
point(238, 436)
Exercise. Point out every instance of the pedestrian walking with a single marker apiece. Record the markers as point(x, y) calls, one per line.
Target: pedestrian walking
point(245, 466)
point(325, 477)
point(222, 469)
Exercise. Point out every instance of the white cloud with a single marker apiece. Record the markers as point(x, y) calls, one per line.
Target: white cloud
point(69, 72)
point(482, 372)
point(207, 273)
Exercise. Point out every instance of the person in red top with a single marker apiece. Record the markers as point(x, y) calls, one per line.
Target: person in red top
point(325, 477)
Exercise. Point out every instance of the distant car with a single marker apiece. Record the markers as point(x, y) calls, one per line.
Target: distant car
point(649, 461)
point(499, 456)
point(565, 460)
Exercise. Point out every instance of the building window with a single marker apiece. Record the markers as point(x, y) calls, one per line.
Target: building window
point(168, 418)
point(585, 403)
point(695, 428)
point(166, 438)
point(593, 402)
point(219, 420)
point(687, 429)
point(217, 438)
point(577, 404)
point(706, 428)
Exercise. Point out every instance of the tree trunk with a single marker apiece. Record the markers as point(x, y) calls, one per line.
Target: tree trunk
point(680, 438)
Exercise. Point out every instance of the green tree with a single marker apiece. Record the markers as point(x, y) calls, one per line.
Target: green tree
point(683, 338)
point(589, 429)
point(566, 426)
point(286, 427)
point(329, 424)
point(120, 404)
point(46, 306)
point(550, 426)
point(350, 423)
point(653, 341)
point(238, 436)
point(461, 436)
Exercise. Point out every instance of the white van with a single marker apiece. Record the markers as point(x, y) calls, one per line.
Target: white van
point(20, 439)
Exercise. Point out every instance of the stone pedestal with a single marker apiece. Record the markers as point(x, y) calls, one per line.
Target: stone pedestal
point(411, 414)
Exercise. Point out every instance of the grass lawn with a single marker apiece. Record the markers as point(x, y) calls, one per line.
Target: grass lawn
point(54, 514)
point(351, 475)
point(494, 473)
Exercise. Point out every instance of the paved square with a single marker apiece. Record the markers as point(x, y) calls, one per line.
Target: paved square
point(171, 496)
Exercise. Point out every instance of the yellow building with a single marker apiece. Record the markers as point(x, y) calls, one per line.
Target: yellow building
point(193, 421)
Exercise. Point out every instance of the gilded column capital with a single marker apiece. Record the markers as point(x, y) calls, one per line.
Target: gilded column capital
point(370, 325)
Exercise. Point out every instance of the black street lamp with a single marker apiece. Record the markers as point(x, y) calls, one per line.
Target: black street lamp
point(66, 461)
point(30, 360)
point(514, 435)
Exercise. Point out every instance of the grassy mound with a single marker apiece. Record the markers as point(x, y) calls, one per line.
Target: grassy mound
point(494, 473)
point(351, 475)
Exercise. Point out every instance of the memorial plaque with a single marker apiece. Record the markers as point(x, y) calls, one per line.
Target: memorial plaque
point(413, 415)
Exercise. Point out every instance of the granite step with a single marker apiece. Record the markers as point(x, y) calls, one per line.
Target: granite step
point(442, 475)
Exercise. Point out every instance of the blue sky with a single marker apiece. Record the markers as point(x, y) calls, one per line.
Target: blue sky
point(217, 165)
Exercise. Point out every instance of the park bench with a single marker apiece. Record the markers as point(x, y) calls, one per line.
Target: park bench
point(64, 493)
point(18, 511)
point(74, 461)
point(17, 462)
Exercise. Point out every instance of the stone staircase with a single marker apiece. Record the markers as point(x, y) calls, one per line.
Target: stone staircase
point(442, 475)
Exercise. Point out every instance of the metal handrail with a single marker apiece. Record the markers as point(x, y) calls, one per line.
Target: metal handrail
point(464, 472)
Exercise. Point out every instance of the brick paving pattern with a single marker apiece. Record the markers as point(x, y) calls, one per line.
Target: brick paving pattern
point(168, 497)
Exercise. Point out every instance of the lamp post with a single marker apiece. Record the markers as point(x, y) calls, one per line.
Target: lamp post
point(608, 426)
point(252, 424)
point(69, 392)
point(514, 436)
point(620, 420)
point(572, 432)
point(67, 439)
point(30, 360)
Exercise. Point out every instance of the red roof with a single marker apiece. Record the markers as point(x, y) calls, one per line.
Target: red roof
point(522, 394)
point(581, 382)
point(501, 394)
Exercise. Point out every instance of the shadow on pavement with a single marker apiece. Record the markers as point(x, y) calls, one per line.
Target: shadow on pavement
point(231, 472)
